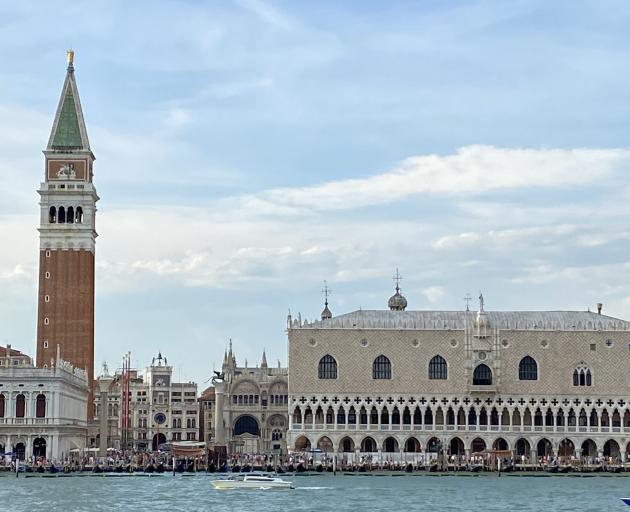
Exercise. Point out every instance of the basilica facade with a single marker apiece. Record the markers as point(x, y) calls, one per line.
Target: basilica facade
point(251, 406)
point(404, 383)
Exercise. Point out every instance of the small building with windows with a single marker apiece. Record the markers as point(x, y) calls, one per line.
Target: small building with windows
point(206, 415)
point(251, 406)
point(43, 411)
point(405, 385)
point(158, 411)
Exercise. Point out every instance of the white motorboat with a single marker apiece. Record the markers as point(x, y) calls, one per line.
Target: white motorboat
point(251, 482)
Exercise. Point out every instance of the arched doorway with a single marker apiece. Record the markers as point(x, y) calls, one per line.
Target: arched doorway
point(346, 445)
point(325, 444)
point(246, 434)
point(158, 439)
point(611, 449)
point(368, 445)
point(20, 451)
point(523, 448)
point(39, 447)
point(544, 448)
point(589, 448)
point(478, 445)
point(390, 445)
point(500, 444)
point(302, 444)
point(246, 424)
point(566, 448)
point(457, 446)
point(412, 445)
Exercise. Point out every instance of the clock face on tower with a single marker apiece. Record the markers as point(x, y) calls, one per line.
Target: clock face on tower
point(159, 418)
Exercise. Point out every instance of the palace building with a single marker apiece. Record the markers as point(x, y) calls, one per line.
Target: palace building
point(43, 411)
point(67, 236)
point(401, 383)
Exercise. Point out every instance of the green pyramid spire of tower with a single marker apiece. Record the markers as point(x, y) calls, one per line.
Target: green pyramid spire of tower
point(68, 131)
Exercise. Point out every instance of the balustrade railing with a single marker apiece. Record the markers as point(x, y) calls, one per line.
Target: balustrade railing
point(405, 427)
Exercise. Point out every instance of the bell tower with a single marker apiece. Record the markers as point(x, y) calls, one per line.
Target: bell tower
point(67, 239)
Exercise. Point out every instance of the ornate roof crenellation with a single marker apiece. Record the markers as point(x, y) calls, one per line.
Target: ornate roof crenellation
point(460, 320)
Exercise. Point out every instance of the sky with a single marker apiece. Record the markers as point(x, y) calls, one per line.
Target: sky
point(247, 151)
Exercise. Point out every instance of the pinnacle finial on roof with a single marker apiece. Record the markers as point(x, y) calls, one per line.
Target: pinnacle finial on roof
point(326, 313)
point(70, 57)
point(481, 302)
point(397, 302)
point(398, 279)
point(467, 300)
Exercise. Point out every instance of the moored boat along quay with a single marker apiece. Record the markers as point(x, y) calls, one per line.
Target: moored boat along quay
point(190, 469)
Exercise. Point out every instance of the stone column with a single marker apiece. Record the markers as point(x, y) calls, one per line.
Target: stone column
point(103, 418)
point(219, 430)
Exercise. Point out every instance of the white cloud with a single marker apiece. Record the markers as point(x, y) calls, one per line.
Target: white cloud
point(471, 171)
point(504, 238)
point(434, 293)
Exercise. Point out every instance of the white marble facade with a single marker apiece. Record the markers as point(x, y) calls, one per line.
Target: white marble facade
point(43, 411)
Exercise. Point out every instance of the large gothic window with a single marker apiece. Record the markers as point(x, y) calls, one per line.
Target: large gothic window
point(327, 367)
point(20, 406)
point(40, 406)
point(482, 376)
point(527, 369)
point(582, 376)
point(382, 368)
point(438, 369)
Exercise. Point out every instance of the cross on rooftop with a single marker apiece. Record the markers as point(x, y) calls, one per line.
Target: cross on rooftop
point(467, 300)
point(398, 279)
point(326, 291)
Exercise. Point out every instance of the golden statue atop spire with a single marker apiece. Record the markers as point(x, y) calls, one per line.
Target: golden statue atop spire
point(70, 56)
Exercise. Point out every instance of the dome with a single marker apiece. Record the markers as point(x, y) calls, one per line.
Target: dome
point(326, 313)
point(397, 302)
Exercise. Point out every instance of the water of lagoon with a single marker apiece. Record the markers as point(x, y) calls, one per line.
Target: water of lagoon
point(177, 493)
